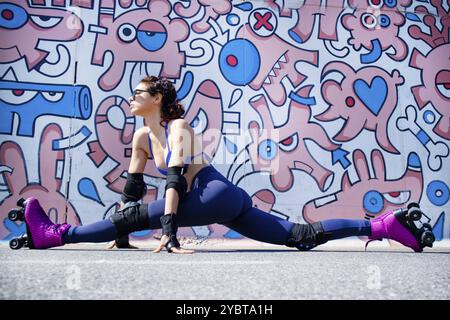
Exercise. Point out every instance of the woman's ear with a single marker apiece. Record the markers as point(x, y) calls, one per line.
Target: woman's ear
point(158, 97)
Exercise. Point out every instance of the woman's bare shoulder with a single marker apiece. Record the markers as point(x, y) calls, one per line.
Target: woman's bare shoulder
point(140, 137)
point(179, 123)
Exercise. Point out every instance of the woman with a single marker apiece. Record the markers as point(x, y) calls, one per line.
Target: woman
point(197, 194)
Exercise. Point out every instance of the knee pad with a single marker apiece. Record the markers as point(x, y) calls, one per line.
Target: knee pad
point(307, 236)
point(132, 217)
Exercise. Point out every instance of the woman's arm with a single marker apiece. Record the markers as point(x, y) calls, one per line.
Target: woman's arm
point(180, 136)
point(135, 185)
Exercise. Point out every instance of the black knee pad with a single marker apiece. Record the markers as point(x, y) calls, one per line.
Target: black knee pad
point(132, 217)
point(307, 236)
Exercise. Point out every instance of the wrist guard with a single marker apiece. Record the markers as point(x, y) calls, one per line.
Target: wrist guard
point(170, 228)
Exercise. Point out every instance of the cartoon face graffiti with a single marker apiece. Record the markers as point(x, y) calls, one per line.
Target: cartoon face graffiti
point(289, 151)
point(138, 36)
point(34, 26)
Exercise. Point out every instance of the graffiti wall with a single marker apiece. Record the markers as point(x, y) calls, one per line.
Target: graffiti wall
point(318, 109)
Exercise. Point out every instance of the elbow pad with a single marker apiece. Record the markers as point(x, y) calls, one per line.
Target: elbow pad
point(176, 181)
point(135, 188)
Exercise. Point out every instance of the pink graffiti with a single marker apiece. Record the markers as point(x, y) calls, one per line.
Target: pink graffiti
point(365, 99)
point(31, 25)
point(205, 115)
point(62, 3)
point(276, 64)
point(115, 142)
point(47, 190)
point(141, 35)
point(348, 203)
point(435, 66)
point(366, 29)
point(311, 11)
point(213, 9)
point(292, 153)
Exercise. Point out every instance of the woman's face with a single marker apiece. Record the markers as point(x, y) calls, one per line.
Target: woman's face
point(142, 102)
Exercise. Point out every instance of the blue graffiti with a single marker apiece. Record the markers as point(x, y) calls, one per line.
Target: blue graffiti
point(12, 16)
point(340, 155)
point(239, 62)
point(87, 188)
point(414, 162)
point(438, 192)
point(231, 234)
point(429, 117)
point(231, 147)
point(307, 101)
point(374, 95)
point(15, 229)
point(186, 86)
point(246, 6)
point(373, 55)
point(22, 98)
point(268, 150)
point(438, 228)
point(373, 202)
point(233, 19)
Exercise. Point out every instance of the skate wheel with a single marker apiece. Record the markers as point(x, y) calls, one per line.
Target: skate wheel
point(428, 238)
point(15, 215)
point(413, 205)
point(15, 244)
point(21, 202)
point(414, 213)
point(427, 226)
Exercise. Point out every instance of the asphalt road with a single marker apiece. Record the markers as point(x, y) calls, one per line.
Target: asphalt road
point(226, 272)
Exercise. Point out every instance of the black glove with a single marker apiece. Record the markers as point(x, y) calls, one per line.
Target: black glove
point(170, 228)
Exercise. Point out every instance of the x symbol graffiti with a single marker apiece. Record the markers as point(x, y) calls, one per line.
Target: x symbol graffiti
point(263, 21)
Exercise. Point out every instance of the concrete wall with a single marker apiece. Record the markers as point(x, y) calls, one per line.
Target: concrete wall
point(341, 107)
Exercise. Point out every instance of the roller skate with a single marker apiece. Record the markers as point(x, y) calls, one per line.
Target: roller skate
point(41, 232)
point(401, 225)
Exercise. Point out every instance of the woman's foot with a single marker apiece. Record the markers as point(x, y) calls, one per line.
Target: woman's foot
point(41, 231)
point(400, 225)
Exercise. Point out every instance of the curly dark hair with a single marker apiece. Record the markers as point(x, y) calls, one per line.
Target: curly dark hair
point(171, 107)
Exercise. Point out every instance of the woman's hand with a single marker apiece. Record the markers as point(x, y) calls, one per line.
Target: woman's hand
point(179, 250)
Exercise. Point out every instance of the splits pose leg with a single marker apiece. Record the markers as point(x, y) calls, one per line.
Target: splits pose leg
point(214, 199)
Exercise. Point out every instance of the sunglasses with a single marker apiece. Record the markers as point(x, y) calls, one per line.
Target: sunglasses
point(139, 91)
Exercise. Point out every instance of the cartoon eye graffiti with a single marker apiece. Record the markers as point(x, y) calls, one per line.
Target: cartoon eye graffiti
point(290, 143)
point(12, 16)
point(126, 32)
point(45, 22)
point(239, 62)
point(368, 20)
point(376, 4)
point(17, 96)
point(390, 3)
point(373, 202)
point(52, 96)
point(200, 122)
point(151, 35)
point(350, 102)
point(442, 83)
point(384, 21)
point(397, 197)
point(268, 150)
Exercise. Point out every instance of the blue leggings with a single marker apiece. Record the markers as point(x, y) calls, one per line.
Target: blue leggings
point(214, 199)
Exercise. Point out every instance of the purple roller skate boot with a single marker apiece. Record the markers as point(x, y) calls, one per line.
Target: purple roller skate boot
point(399, 225)
point(42, 232)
